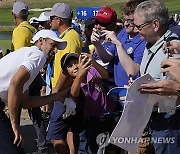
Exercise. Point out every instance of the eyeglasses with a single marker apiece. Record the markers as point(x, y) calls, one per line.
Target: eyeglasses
point(129, 21)
point(54, 17)
point(141, 26)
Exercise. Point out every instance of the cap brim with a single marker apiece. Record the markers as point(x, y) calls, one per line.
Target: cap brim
point(102, 19)
point(41, 20)
point(118, 91)
point(70, 55)
point(48, 14)
point(62, 45)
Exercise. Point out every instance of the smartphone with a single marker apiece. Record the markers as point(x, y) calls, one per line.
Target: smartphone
point(99, 32)
point(85, 50)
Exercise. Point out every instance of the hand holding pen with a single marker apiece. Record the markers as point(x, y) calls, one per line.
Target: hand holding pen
point(130, 82)
point(171, 46)
point(130, 78)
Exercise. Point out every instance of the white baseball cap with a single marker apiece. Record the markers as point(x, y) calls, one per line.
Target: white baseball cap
point(51, 35)
point(43, 17)
point(33, 20)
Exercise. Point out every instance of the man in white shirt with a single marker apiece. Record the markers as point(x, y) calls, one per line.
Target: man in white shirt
point(15, 80)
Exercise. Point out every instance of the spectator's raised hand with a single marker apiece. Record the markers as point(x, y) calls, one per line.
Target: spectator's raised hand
point(85, 63)
point(172, 47)
point(111, 36)
point(172, 66)
point(95, 36)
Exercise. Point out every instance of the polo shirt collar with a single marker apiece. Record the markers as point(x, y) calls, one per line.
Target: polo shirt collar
point(24, 23)
point(65, 32)
point(154, 48)
point(89, 77)
point(135, 39)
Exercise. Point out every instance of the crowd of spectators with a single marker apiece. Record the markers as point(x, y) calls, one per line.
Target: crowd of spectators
point(65, 68)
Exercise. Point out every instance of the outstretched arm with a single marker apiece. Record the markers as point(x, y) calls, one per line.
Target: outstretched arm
point(15, 98)
point(83, 66)
point(129, 65)
point(60, 83)
point(102, 53)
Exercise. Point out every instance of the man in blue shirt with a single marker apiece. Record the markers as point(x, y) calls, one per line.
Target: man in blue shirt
point(126, 50)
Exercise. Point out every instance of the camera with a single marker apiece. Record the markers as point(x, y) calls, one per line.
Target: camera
point(100, 33)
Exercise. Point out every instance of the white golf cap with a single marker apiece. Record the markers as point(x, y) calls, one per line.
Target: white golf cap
point(33, 20)
point(43, 17)
point(51, 35)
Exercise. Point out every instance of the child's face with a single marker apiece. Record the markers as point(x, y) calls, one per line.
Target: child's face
point(72, 67)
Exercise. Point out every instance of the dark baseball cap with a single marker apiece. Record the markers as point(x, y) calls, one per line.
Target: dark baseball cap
point(66, 57)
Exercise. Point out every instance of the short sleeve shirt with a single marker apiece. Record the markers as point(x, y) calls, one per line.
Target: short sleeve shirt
point(96, 101)
point(74, 44)
point(154, 66)
point(134, 48)
point(30, 57)
point(22, 35)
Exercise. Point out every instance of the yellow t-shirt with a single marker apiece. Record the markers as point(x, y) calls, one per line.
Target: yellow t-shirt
point(74, 44)
point(22, 35)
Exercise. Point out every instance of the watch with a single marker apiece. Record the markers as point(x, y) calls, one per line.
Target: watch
point(178, 91)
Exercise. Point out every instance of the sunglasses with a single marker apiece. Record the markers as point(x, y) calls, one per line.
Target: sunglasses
point(55, 18)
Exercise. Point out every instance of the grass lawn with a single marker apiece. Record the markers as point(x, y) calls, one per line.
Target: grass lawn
point(5, 44)
point(7, 20)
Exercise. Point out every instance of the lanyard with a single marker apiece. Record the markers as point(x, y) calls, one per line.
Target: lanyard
point(150, 59)
point(153, 54)
point(66, 31)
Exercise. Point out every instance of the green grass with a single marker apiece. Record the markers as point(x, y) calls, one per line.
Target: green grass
point(173, 6)
point(7, 19)
point(5, 44)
